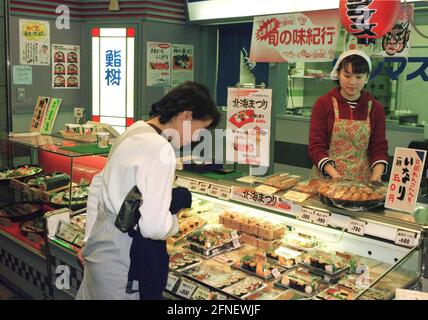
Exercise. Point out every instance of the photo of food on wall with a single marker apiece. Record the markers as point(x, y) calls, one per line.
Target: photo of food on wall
point(72, 57)
point(72, 69)
point(59, 56)
point(59, 82)
point(59, 69)
point(72, 81)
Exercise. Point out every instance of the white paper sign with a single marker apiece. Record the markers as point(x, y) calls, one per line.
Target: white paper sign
point(248, 125)
point(405, 180)
point(357, 227)
point(193, 185)
point(322, 218)
point(172, 280)
point(276, 274)
point(203, 187)
point(224, 193)
point(34, 42)
point(158, 64)
point(186, 289)
point(201, 294)
point(405, 238)
point(23, 75)
point(306, 214)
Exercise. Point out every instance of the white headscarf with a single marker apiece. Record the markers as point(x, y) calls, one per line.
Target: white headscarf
point(335, 76)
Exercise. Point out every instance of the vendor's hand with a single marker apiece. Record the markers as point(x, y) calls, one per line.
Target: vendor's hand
point(377, 172)
point(332, 172)
point(80, 256)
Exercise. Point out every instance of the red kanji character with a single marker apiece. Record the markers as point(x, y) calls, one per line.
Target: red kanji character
point(285, 37)
point(396, 177)
point(393, 187)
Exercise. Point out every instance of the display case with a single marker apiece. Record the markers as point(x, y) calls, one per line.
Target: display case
point(38, 174)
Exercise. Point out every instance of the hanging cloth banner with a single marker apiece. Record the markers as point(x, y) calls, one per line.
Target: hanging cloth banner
point(309, 36)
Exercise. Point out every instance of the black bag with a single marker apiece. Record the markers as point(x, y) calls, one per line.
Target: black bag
point(129, 212)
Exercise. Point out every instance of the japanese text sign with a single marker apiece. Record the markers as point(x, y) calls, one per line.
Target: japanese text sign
point(261, 200)
point(309, 36)
point(248, 125)
point(158, 64)
point(406, 174)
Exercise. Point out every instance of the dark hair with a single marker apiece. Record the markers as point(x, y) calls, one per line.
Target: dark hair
point(358, 63)
point(189, 96)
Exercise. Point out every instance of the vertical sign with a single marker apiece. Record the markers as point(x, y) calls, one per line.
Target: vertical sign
point(182, 63)
point(34, 42)
point(158, 64)
point(50, 115)
point(39, 113)
point(248, 125)
point(404, 183)
point(309, 36)
point(65, 66)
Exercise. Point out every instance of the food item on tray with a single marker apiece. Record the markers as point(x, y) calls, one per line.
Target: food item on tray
point(215, 276)
point(337, 292)
point(21, 211)
point(212, 236)
point(19, 172)
point(324, 261)
point(182, 260)
point(310, 186)
point(285, 257)
point(185, 227)
point(49, 181)
point(282, 180)
point(79, 196)
point(245, 287)
point(301, 241)
point(59, 56)
point(59, 69)
point(79, 220)
point(353, 195)
point(258, 265)
point(301, 280)
point(32, 226)
point(377, 293)
point(267, 293)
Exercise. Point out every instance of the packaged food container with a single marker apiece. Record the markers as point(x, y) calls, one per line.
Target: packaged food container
point(301, 241)
point(285, 257)
point(102, 139)
point(325, 263)
point(337, 292)
point(73, 127)
point(300, 280)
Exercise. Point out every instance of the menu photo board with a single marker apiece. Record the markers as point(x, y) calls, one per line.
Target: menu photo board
point(405, 180)
point(65, 66)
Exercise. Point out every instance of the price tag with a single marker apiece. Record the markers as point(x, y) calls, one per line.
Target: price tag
point(306, 214)
point(236, 243)
point(357, 227)
point(213, 191)
point(182, 182)
point(203, 187)
point(216, 251)
point(201, 294)
point(186, 289)
point(405, 238)
point(276, 274)
point(193, 185)
point(322, 218)
point(224, 193)
point(221, 296)
point(172, 280)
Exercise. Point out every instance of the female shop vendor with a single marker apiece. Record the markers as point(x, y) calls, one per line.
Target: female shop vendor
point(347, 128)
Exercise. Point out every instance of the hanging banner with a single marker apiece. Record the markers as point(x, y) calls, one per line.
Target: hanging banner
point(405, 180)
point(65, 66)
point(396, 43)
point(182, 63)
point(34, 42)
point(158, 64)
point(309, 36)
point(50, 115)
point(39, 113)
point(248, 125)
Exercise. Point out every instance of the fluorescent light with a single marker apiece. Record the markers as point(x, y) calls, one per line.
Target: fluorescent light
point(228, 9)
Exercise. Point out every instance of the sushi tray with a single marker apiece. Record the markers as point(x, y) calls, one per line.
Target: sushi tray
point(18, 172)
point(328, 265)
point(300, 241)
point(352, 195)
point(282, 181)
point(214, 276)
point(180, 261)
point(272, 293)
point(213, 240)
point(285, 257)
point(257, 265)
point(21, 211)
point(300, 280)
point(186, 226)
point(245, 287)
point(34, 226)
point(337, 292)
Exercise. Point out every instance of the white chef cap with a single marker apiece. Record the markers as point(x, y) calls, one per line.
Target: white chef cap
point(334, 75)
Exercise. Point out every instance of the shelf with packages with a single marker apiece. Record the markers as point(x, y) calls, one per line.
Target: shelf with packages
point(37, 176)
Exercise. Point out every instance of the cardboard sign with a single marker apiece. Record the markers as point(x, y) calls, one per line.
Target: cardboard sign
point(405, 180)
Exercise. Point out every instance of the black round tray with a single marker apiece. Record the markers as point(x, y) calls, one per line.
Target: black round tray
point(6, 181)
point(367, 205)
point(16, 218)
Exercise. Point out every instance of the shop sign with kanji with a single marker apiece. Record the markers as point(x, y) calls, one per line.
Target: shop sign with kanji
point(309, 36)
point(259, 199)
point(407, 171)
